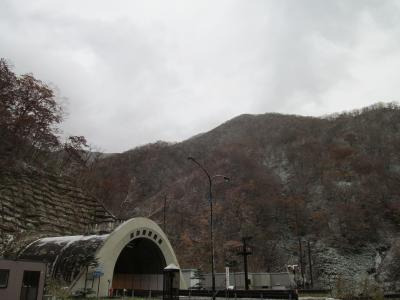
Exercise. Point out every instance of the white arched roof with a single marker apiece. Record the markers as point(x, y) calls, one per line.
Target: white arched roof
point(116, 241)
point(65, 254)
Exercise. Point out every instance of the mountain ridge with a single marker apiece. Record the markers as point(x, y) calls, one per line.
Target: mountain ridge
point(337, 174)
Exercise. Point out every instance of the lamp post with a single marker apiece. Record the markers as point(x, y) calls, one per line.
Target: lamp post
point(210, 180)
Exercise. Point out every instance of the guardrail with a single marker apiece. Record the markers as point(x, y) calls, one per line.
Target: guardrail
point(260, 294)
point(270, 294)
point(392, 296)
point(314, 291)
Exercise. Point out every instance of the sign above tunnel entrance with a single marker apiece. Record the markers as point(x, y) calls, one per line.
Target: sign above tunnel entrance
point(147, 233)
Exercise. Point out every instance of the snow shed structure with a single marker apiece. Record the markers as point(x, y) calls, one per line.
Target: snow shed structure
point(132, 257)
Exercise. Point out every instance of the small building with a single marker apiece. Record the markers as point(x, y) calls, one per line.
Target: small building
point(132, 257)
point(21, 280)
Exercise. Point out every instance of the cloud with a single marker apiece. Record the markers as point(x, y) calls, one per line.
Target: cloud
point(139, 71)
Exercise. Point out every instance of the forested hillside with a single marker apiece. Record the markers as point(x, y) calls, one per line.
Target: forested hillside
point(333, 181)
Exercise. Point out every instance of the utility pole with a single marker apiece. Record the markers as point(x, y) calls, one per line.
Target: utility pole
point(245, 252)
point(310, 264)
point(301, 263)
point(164, 213)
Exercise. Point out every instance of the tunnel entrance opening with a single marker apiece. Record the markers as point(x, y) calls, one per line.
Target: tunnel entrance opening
point(139, 266)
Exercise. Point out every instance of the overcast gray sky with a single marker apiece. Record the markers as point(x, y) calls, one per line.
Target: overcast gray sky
point(136, 72)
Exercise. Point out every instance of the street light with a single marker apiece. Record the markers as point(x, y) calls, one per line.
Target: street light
point(210, 180)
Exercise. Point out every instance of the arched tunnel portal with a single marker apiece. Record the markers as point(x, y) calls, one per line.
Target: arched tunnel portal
point(139, 266)
point(131, 257)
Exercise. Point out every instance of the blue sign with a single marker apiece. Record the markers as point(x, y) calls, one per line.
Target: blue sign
point(97, 274)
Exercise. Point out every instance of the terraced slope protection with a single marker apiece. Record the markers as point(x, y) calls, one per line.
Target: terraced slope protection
point(36, 204)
